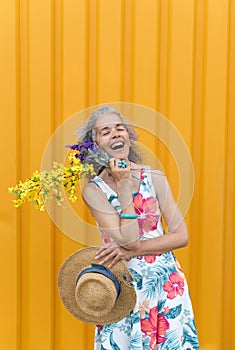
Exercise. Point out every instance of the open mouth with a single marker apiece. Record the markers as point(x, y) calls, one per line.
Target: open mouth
point(117, 145)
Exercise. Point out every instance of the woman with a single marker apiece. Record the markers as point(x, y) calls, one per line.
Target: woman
point(128, 201)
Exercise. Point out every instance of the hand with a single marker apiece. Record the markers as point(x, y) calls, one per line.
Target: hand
point(120, 173)
point(112, 251)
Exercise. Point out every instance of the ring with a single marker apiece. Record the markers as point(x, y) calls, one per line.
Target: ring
point(122, 163)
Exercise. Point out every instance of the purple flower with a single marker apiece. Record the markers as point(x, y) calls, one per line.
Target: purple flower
point(84, 149)
point(88, 144)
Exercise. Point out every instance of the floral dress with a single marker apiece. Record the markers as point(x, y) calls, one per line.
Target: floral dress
point(162, 318)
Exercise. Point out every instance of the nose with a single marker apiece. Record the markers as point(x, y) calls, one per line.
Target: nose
point(114, 133)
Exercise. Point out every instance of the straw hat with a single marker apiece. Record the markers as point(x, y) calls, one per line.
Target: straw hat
point(92, 292)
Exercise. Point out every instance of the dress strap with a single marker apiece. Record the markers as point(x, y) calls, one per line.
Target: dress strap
point(102, 185)
point(109, 193)
point(146, 180)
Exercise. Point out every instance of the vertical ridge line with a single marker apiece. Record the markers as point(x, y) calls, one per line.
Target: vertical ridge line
point(193, 116)
point(53, 245)
point(132, 72)
point(158, 39)
point(97, 43)
point(122, 50)
point(226, 292)
point(87, 39)
point(18, 172)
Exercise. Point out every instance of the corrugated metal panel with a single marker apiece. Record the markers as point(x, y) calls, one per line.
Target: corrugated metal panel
point(59, 57)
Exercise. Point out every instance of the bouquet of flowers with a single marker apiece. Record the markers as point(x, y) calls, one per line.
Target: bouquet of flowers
point(86, 159)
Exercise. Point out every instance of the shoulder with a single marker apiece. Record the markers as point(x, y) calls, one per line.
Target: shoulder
point(91, 191)
point(158, 173)
point(158, 176)
point(160, 182)
point(96, 200)
point(90, 187)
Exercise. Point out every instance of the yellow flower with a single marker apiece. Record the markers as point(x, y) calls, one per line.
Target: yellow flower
point(47, 185)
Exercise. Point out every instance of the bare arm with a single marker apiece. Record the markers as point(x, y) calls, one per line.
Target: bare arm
point(123, 231)
point(176, 237)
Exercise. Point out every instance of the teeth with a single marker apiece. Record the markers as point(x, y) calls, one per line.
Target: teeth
point(117, 145)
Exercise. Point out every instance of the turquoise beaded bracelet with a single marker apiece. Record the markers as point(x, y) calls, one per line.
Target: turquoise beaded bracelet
point(128, 216)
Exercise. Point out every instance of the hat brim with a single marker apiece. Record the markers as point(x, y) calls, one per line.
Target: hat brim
point(67, 278)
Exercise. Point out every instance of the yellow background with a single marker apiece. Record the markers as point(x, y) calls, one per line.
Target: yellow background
point(59, 57)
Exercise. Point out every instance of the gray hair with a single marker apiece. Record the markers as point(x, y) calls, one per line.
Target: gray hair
point(88, 130)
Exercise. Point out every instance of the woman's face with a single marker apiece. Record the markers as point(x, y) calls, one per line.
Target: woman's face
point(112, 135)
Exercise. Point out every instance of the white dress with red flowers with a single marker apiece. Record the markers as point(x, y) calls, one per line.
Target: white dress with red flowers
point(162, 318)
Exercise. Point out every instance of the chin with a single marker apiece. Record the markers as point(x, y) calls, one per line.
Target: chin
point(119, 154)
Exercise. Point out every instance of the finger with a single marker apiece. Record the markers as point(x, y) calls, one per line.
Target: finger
point(102, 250)
point(99, 256)
point(107, 251)
point(112, 163)
point(102, 254)
point(103, 261)
point(114, 261)
point(128, 164)
point(108, 257)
